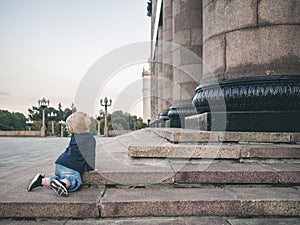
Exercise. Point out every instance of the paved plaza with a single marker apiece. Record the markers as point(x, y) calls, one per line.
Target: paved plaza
point(17, 152)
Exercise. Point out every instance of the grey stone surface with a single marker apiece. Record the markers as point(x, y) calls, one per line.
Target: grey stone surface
point(200, 201)
point(192, 136)
point(154, 221)
point(32, 222)
point(279, 12)
point(225, 173)
point(182, 37)
point(265, 221)
point(268, 201)
point(272, 50)
point(44, 203)
point(223, 16)
point(288, 173)
point(282, 151)
point(185, 151)
point(295, 138)
point(19, 152)
point(160, 220)
point(196, 36)
point(214, 59)
point(166, 202)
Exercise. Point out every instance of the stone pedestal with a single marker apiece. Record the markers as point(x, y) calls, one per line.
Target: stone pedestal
point(245, 121)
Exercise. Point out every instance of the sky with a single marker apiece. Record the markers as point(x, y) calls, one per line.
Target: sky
point(47, 47)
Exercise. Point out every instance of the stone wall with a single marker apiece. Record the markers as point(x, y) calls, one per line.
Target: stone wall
point(251, 38)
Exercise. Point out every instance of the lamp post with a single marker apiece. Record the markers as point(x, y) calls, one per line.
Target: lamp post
point(52, 115)
point(29, 123)
point(105, 104)
point(62, 124)
point(43, 103)
point(98, 120)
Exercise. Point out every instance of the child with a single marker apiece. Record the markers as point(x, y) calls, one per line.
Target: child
point(78, 157)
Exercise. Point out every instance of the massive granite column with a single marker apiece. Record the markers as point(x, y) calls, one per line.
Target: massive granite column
point(154, 66)
point(163, 58)
point(167, 78)
point(187, 37)
point(252, 52)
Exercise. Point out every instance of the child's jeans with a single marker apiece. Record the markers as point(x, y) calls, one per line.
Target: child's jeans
point(74, 177)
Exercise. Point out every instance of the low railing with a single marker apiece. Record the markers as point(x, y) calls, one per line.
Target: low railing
point(20, 133)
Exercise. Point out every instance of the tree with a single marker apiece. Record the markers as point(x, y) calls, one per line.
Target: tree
point(124, 121)
point(12, 120)
point(119, 121)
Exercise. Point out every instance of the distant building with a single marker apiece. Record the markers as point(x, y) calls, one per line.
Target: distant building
point(146, 95)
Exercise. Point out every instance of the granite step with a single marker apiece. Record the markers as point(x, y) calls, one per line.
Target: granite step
point(158, 220)
point(178, 135)
point(196, 172)
point(215, 151)
point(44, 203)
point(228, 201)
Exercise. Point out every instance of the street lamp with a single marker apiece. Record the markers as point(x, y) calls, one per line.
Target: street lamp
point(98, 120)
point(52, 115)
point(62, 124)
point(43, 103)
point(105, 104)
point(29, 123)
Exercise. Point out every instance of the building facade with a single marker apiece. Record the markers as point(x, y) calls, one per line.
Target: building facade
point(234, 65)
point(146, 95)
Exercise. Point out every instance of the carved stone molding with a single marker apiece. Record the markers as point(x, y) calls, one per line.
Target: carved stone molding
point(267, 93)
point(177, 114)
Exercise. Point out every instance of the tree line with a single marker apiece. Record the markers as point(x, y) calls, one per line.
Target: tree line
point(118, 120)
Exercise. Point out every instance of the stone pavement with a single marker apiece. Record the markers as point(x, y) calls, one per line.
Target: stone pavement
point(134, 189)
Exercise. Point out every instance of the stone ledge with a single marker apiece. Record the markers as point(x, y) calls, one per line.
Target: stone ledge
point(44, 203)
point(253, 201)
point(136, 178)
point(159, 220)
point(215, 151)
point(185, 151)
point(230, 173)
point(202, 173)
point(178, 135)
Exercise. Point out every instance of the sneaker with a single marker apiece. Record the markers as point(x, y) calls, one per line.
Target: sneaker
point(36, 182)
point(59, 187)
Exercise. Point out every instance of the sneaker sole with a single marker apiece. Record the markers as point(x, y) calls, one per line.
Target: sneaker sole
point(58, 188)
point(33, 181)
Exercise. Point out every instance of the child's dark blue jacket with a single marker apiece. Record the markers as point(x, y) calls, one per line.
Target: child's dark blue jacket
point(80, 154)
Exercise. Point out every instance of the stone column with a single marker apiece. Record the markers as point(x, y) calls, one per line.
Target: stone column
point(187, 54)
point(252, 52)
point(159, 71)
point(167, 81)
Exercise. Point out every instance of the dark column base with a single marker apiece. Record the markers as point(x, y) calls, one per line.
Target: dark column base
point(265, 103)
point(248, 121)
point(178, 113)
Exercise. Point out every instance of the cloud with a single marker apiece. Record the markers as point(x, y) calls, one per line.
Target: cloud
point(4, 94)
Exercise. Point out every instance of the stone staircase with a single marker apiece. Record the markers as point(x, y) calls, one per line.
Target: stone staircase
point(175, 176)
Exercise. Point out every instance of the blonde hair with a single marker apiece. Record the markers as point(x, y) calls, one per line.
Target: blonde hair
point(78, 123)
